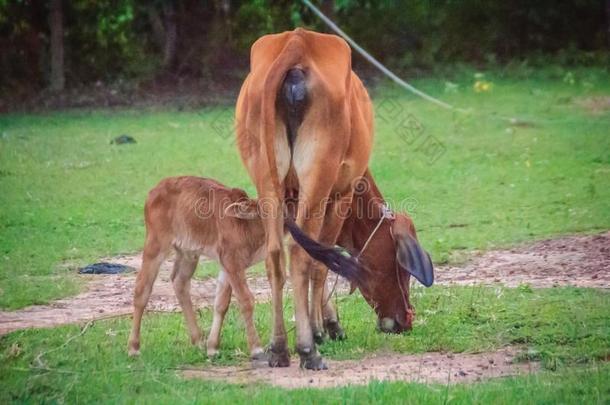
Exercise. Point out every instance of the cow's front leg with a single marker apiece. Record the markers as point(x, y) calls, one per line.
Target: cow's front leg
point(336, 212)
point(331, 317)
point(318, 274)
point(322, 312)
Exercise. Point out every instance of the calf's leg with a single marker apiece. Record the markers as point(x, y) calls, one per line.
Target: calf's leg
point(184, 267)
point(237, 278)
point(221, 305)
point(154, 254)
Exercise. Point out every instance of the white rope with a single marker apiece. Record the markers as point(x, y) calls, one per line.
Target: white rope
point(386, 212)
point(378, 64)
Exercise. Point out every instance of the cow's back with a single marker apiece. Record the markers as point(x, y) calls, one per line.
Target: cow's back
point(336, 91)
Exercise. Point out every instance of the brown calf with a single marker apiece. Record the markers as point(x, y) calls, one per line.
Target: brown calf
point(201, 216)
point(197, 216)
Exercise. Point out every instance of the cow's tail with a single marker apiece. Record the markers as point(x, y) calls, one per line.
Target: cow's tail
point(283, 73)
point(338, 261)
point(290, 56)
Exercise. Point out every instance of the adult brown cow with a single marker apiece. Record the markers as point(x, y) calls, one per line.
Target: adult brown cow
point(317, 134)
point(304, 122)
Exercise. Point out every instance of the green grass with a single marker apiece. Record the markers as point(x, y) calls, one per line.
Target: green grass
point(68, 195)
point(570, 340)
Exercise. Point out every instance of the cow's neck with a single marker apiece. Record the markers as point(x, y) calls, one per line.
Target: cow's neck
point(367, 212)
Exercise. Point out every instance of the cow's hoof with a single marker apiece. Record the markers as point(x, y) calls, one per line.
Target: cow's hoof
point(259, 359)
point(335, 331)
point(318, 337)
point(315, 362)
point(278, 356)
point(311, 360)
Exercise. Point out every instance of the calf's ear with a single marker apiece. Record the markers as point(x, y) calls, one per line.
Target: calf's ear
point(243, 209)
point(413, 258)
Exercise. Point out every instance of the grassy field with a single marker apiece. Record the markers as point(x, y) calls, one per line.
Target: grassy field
point(570, 340)
point(69, 197)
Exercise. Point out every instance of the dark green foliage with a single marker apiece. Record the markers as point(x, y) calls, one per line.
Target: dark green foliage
point(112, 39)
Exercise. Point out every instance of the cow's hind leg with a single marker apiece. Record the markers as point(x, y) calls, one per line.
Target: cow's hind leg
point(312, 218)
point(184, 267)
point(275, 265)
point(221, 305)
point(155, 252)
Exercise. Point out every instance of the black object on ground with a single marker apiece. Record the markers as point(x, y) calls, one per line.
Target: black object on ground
point(123, 139)
point(105, 268)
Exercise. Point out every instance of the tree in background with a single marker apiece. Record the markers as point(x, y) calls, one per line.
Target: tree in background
point(55, 43)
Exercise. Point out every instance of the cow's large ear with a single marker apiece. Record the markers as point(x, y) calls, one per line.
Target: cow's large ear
point(412, 257)
point(243, 209)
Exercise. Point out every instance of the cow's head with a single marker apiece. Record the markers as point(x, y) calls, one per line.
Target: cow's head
point(391, 257)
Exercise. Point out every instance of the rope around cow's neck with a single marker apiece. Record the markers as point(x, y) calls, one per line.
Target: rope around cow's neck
point(386, 213)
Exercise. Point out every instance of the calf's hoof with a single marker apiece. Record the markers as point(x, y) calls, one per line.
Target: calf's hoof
point(278, 356)
point(133, 349)
point(212, 353)
point(335, 331)
point(311, 360)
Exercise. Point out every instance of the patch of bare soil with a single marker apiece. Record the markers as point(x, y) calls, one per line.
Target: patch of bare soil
point(112, 295)
point(595, 105)
point(425, 368)
point(580, 261)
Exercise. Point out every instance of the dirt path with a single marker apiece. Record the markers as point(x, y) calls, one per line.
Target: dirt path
point(112, 295)
point(425, 368)
point(582, 261)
